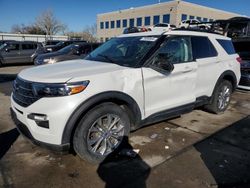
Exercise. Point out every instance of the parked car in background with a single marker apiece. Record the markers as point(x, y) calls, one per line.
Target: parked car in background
point(242, 47)
point(60, 45)
point(135, 30)
point(51, 42)
point(18, 51)
point(72, 51)
point(162, 27)
point(193, 23)
point(4, 41)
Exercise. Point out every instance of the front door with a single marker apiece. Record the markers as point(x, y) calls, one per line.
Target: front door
point(167, 89)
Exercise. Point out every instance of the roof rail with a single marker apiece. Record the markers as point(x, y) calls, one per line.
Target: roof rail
point(198, 30)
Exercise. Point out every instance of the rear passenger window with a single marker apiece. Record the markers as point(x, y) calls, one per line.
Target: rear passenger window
point(227, 45)
point(28, 46)
point(203, 48)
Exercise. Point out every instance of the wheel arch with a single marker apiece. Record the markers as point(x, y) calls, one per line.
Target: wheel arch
point(227, 75)
point(119, 98)
point(230, 76)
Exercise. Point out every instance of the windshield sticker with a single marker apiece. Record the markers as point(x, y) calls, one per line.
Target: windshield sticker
point(149, 39)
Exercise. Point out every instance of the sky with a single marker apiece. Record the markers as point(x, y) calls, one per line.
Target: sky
point(77, 14)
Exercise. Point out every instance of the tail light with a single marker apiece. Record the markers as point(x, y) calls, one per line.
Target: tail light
point(239, 60)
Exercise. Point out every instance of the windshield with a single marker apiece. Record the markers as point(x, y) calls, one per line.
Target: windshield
point(60, 43)
point(68, 48)
point(125, 51)
point(2, 46)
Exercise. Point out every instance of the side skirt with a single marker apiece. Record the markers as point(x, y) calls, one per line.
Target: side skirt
point(174, 112)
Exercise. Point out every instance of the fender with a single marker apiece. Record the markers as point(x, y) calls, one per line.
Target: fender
point(230, 76)
point(227, 75)
point(83, 108)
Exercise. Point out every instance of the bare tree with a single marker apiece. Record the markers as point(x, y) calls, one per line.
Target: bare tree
point(30, 29)
point(91, 29)
point(49, 24)
point(88, 34)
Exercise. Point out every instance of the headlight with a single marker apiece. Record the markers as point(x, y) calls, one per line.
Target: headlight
point(56, 90)
point(49, 61)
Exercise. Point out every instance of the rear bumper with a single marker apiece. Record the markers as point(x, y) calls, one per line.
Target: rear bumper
point(26, 133)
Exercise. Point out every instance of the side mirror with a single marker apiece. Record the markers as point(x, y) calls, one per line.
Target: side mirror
point(162, 62)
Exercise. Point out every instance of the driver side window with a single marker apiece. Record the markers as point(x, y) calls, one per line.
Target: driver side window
point(174, 50)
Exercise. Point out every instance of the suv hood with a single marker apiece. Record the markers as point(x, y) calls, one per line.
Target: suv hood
point(65, 71)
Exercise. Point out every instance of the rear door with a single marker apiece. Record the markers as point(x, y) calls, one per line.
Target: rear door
point(27, 49)
point(208, 63)
point(167, 90)
point(11, 53)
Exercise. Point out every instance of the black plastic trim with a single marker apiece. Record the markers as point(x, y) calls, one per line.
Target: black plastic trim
point(26, 133)
point(167, 114)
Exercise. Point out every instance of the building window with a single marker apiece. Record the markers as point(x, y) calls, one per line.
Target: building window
point(101, 25)
point(204, 19)
point(183, 17)
point(166, 18)
point(191, 17)
point(118, 23)
point(106, 39)
point(211, 20)
point(147, 20)
point(101, 39)
point(199, 18)
point(124, 23)
point(112, 24)
point(106, 25)
point(156, 19)
point(131, 22)
point(139, 21)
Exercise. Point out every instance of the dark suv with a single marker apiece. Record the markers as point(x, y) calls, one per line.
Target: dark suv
point(18, 51)
point(70, 52)
point(60, 45)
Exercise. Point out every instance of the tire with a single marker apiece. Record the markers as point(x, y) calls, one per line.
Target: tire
point(93, 139)
point(221, 98)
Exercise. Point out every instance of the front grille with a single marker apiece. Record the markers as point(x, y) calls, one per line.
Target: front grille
point(23, 93)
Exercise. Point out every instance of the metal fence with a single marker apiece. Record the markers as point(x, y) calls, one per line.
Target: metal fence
point(30, 37)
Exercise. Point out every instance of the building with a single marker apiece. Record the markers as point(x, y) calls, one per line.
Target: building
point(113, 23)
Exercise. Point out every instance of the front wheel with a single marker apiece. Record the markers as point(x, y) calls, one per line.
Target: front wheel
point(100, 132)
point(221, 98)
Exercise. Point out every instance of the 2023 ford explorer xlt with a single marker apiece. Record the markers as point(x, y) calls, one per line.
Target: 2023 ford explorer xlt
point(129, 81)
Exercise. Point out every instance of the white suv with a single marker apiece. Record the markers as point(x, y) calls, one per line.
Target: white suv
point(130, 81)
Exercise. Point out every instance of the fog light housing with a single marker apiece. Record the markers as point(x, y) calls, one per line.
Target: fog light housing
point(40, 119)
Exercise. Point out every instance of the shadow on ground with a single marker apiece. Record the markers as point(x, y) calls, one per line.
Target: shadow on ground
point(227, 155)
point(6, 141)
point(122, 170)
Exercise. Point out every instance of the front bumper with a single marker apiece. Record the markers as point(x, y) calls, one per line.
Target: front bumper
point(26, 133)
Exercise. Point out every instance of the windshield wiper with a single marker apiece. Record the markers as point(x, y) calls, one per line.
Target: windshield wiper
point(107, 57)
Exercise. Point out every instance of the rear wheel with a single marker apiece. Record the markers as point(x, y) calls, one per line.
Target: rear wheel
point(221, 97)
point(101, 132)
